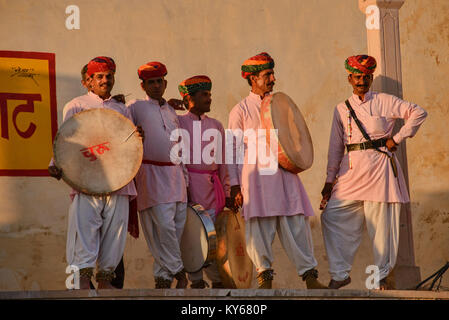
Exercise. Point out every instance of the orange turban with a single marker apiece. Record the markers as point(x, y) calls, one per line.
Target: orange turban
point(152, 70)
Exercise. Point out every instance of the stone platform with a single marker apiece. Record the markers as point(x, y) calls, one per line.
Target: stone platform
point(225, 294)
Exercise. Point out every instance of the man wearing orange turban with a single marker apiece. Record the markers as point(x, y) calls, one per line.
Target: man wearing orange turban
point(161, 184)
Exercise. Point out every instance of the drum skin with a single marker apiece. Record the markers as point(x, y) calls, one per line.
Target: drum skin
point(198, 240)
point(234, 265)
point(295, 149)
point(97, 152)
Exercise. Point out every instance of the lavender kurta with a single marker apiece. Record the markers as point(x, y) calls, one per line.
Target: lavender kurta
point(92, 101)
point(157, 184)
point(201, 186)
point(279, 194)
point(371, 176)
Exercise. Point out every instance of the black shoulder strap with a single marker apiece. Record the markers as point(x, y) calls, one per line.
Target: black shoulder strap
point(357, 121)
point(366, 136)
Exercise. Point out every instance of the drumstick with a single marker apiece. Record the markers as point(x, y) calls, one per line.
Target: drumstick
point(235, 216)
point(130, 135)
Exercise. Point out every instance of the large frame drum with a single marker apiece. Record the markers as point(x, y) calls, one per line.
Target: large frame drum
point(98, 150)
point(295, 149)
point(234, 264)
point(199, 240)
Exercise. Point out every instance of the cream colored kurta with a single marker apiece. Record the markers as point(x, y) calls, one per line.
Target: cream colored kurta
point(157, 184)
point(371, 176)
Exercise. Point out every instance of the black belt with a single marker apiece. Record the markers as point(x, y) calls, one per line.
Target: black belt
point(373, 144)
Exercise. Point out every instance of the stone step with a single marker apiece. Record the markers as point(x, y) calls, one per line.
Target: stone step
point(226, 294)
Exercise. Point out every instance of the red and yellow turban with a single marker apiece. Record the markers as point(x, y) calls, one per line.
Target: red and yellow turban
point(360, 64)
point(152, 70)
point(194, 84)
point(100, 64)
point(257, 63)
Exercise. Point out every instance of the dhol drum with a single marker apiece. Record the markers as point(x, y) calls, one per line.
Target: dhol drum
point(295, 149)
point(234, 265)
point(199, 240)
point(98, 150)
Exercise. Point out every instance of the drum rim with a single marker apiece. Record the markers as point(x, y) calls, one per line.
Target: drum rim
point(211, 239)
point(70, 182)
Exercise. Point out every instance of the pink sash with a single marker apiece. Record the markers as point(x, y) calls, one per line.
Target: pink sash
point(220, 198)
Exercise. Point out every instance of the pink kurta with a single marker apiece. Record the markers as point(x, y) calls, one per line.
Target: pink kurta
point(201, 185)
point(279, 194)
point(371, 177)
point(157, 184)
point(92, 101)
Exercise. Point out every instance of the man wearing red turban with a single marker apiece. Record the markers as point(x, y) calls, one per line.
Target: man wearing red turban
point(366, 183)
point(94, 237)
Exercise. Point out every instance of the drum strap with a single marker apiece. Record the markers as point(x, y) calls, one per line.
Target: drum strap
point(220, 197)
point(158, 163)
point(367, 137)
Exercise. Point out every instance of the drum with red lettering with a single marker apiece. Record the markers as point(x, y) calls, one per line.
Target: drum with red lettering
point(199, 240)
point(98, 150)
point(234, 264)
point(295, 149)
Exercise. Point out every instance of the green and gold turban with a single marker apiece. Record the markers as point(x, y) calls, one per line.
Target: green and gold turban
point(194, 84)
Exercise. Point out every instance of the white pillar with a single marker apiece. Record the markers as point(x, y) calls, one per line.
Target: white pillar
point(382, 26)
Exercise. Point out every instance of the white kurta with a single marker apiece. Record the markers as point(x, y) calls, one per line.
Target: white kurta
point(157, 184)
point(371, 176)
